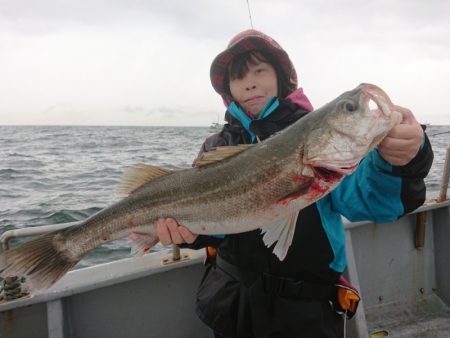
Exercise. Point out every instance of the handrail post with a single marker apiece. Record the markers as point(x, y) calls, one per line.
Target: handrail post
point(176, 252)
point(421, 220)
point(445, 176)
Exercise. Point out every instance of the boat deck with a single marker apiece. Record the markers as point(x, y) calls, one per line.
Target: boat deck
point(426, 317)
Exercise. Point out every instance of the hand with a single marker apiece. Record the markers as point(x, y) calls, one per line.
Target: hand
point(403, 142)
point(170, 232)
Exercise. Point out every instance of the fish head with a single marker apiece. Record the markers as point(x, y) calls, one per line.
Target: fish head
point(349, 128)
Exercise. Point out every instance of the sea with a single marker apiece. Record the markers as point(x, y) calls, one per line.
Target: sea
point(60, 174)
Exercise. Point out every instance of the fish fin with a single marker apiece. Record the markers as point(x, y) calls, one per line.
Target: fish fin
point(39, 260)
point(219, 154)
point(139, 174)
point(141, 243)
point(282, 233)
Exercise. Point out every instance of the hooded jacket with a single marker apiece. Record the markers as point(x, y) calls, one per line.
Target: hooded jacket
point(377, 191)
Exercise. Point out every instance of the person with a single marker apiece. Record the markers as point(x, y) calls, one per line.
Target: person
point(246, 290)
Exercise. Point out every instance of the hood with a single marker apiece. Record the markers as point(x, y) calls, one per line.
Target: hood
point(246, 41)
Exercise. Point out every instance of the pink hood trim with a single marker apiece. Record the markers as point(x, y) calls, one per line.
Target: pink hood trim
point(300, 99)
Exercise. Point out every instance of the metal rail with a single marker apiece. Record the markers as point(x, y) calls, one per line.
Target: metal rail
point(44, 229)
point(445, 177)
point(31, 231)
point(34, 231)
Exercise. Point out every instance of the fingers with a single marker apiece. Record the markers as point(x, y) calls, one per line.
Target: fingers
point(172, 225)
point(403, 142)
point(187, 235)
point(406, 131)
point(163, 232)
point(399, 151)
point(395, 158)
point(407, 115)
point(170, 232)
point(395, 143)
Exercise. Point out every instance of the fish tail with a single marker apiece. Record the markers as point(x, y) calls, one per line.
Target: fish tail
point(38, 260)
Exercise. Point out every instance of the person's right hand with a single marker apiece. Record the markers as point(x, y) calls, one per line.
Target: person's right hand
point(170, 232)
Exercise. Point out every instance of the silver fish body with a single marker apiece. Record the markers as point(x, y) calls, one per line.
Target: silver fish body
point(261, 187)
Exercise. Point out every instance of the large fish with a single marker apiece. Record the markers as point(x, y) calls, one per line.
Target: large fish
point(233, 189)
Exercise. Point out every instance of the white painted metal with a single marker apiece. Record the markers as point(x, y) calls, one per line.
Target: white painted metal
point(143, 297)
point(55, 319)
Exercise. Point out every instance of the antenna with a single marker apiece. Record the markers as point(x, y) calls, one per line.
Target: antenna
point(250, 14)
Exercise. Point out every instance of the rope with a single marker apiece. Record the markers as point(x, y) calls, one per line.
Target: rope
point(11, 288)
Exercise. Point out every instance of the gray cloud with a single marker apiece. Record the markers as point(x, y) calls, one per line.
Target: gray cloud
point(207, 19)
point(134, 109)
point(148, 60)
point(200, 18)
point(166, 111)
point(169, 112)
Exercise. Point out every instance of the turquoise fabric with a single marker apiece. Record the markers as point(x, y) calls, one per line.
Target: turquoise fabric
point(246, 120)
point(334, 228)
point(371, 193)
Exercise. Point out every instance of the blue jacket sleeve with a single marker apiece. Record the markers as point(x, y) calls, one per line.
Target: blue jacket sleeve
point(380, 192)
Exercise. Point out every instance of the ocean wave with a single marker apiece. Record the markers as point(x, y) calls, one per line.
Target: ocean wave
point(64, 174)
point(18, 155)
point(9, 171)
point(41, 216)
point(66, 216)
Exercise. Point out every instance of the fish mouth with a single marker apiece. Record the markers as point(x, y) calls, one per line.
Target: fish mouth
point(333, 172)
point(380, 99)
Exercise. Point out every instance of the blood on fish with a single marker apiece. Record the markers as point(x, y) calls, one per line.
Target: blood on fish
point(47, 261)
point(303, 186)
point(300, 178)
point(316, 186)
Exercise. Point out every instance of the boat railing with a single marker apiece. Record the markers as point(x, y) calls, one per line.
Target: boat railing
point(7, 236)
point(33, 231)
point(30, 231)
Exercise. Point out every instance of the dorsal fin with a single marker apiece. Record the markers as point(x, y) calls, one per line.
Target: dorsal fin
point(139, 174)
point(219, 154)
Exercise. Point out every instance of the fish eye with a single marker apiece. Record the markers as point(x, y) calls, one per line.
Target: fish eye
point(349, 106)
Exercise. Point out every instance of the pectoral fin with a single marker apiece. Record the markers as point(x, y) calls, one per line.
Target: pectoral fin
point(282, 233)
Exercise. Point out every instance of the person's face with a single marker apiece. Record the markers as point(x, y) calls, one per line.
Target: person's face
point(255, 88)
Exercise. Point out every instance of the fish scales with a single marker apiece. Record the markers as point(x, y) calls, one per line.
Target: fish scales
point(261, 187)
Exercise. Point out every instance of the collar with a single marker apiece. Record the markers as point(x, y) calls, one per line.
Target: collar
point(246, 120)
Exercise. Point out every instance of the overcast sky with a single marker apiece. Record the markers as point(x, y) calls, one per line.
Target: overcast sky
point(146, 62)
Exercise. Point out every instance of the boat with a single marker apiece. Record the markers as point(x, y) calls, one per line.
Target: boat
point(401, 269)
point(215, 127)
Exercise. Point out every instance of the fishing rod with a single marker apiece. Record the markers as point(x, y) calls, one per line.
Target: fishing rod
point(251, 24)
point(444, 132)
point(250, 14)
